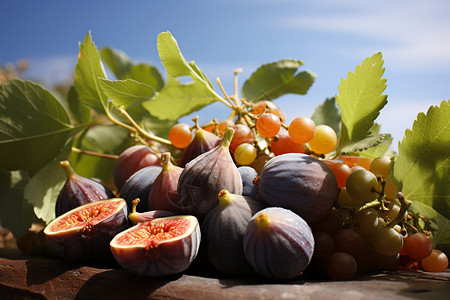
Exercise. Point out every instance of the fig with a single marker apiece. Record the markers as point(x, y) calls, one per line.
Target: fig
point(132, 160)
point(248, 175)
point(202, 142)
point(139, 185)
point(205, 176)
point(84, 232)
point(138, 217)
point(278, 243)
point(242, 134)
point(223, 232)
point(79, 190)
point(163, 194)
point(159, 247)
point(301, 183)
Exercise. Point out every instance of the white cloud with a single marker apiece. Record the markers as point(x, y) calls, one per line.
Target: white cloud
point(412, 33)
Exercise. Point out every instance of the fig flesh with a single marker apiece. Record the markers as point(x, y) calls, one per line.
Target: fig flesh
point(223, 232)
point(301, 183)
point(278, 243)
point(84, 233)
point(160, 247)
point(205, 176)
point(79, 190)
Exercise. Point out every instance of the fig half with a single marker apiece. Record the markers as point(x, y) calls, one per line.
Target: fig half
point(84, 232)
point(159, 247)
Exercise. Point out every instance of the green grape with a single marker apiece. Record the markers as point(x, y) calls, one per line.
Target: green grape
point(386, 241)
point(366, 222)
point(324, 140)
point(362, 185)
point(380, 166)
point(302, 129)
point(345, 200)
point(245, 154)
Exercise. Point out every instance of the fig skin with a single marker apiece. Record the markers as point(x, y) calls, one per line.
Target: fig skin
point(138, 217)
point(278, 243)
point(301, 183)
point(163, 195)
point(248, 175)
point(202, 142)
point(132, 160)
point(88, 240)
point(139, 185)
point(223, 232)
point(79, 190)
point(151, 257)
point(205, 176)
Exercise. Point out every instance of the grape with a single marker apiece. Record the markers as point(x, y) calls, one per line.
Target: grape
point(386, 241)
point(324, 140)
point(385, 262)
point(323, 245)
point(352, 160)
point(437, 261)
point(223, 125)
point(393, 207)
point(341, 266)
point(347, 201)
point(339, 169)
point(331, 223)
point(418, 246)
point(282, 143)
point(242, 134)
point(180, 135)
point(366, 222)
point(245, 154)
point(259, 162)
point(361, 185)
point(349, 241)
point(302, 129)
point(264, 105)
point(380, 166)
point(268, 125)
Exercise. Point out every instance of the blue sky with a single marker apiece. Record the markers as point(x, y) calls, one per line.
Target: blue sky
point(331, 36)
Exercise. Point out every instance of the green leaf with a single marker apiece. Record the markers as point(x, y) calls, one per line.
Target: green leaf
point(363, 145)
point(147, 74)
point(439, 227)
point(34, 126)
point(328, 113)
point(15, 213)
point(80, 112)
point(422, 169)
point(176, 99)
point(125, 93)
point(276, 79)
point(88, 70)
point(117, 61)
point(43, 189)
point(381, 149)
point(360, 100)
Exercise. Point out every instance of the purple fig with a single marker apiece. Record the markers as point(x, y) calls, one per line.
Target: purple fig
point(79, 190)
point(205, 176)
point(163, 194)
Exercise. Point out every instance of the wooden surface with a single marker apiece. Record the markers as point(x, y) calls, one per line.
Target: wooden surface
point(31, 277)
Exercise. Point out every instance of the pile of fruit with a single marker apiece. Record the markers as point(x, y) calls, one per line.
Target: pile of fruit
point(322, 196)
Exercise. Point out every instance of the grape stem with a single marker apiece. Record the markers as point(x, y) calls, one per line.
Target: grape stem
point(403, 208)
point(230, 103)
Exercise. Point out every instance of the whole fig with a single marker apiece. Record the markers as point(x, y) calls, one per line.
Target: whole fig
point(163, 194)
point(223, 232)
point(202, 142)
point(84, 232)
point(278, 243)
point(79, 190)
point(205, 176)
point(132, 160)
point(139, 186)
point(248, 175)
point(301, 183)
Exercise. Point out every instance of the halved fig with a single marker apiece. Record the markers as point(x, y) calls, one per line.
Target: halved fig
point(159, 247)
point(84, 232)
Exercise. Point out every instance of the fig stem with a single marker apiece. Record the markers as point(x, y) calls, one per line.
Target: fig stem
point(262, 220)
point(65, 164)
point(165, 159)
point(134, 203)
point(228, 135)
point(224, 198)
